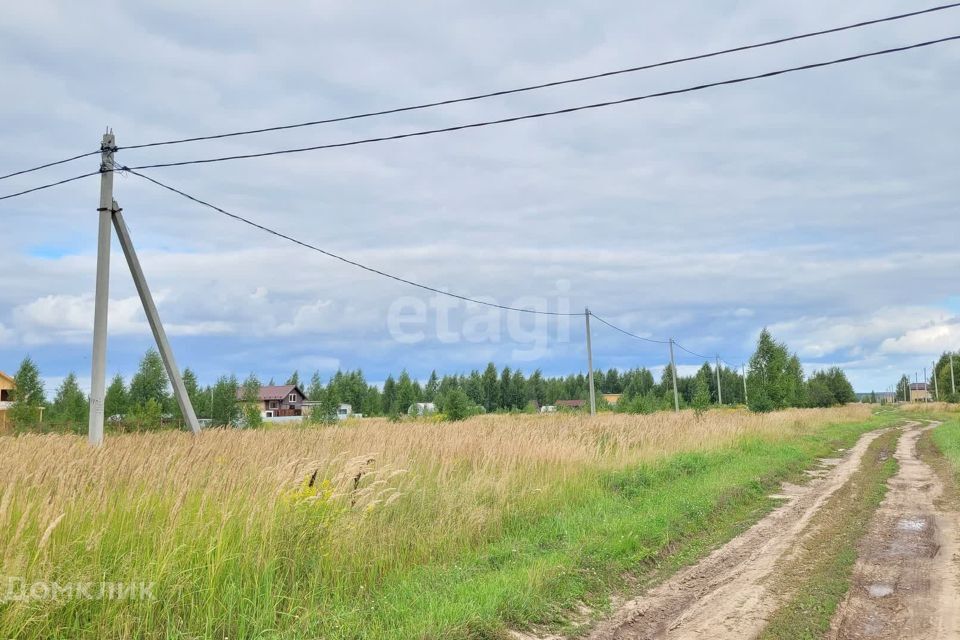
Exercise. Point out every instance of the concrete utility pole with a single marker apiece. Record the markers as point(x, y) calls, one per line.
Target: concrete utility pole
point(98, 360)
point(593, 396)
point(719, 389)
point(953, 381)
point(673, 367)
point(110, 213)
point(153, 317)
point(746, 399)
point(936, 383)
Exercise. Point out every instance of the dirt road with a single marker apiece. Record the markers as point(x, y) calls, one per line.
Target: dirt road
point(905, 584)
point(725, 596)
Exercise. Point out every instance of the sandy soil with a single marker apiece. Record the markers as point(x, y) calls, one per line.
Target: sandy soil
point(728, 594)
point(905, 583)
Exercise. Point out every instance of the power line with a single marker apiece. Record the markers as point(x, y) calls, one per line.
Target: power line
point(693, 353)
point(624, 331)
point(545, 85)
point(544, 114)
point(50, 164)
point(52, 184)
point(341, 258)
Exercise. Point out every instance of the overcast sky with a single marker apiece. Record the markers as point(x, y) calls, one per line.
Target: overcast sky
point(821, 204)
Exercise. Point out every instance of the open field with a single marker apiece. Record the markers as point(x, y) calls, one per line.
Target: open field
point(407, 530)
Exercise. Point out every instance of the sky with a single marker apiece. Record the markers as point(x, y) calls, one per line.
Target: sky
point(822, 204)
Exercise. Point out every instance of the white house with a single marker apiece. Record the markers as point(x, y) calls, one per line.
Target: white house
point(422, 408)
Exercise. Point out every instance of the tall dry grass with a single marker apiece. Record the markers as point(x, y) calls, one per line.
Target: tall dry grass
point(243, 530)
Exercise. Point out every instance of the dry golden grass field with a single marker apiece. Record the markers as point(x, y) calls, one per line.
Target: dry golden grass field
point(374, 528)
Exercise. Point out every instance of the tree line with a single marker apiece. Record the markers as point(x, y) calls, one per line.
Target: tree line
point(775, 380)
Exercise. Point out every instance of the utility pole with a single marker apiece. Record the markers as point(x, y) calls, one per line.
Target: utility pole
point(719, 389)
point(953, 381)
point(936, 383)
point(98, 360)
point(673, 368)
point(746, 400)
point(593, 396)
point(110, 214)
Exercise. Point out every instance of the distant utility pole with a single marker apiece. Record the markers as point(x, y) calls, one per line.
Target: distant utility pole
point(110, 213)
point(673, 368)
point(936, 383)
point(719, 389)
point(746, 400)
point(953, 382)
point(593, 395)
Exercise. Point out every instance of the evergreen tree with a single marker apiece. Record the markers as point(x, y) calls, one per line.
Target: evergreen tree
point(315, 390)
point(490, 388)
point(116, 402)
point(503, 390)
point(389, 400)
point(405, 396)
point(70, 403)
point(432, 387)
point(28, 396)
point(294, 378)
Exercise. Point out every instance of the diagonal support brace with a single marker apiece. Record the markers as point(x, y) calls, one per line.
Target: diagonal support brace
point(153, 317)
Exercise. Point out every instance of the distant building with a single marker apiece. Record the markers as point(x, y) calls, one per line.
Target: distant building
point(548, 408)
point(281, 401)
point(7, 386)
point(612, 398)
point(920, 392)
point(571, 404)
point(344, 411)
point(422, 408)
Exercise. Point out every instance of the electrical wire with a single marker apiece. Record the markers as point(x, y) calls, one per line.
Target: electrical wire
point(50, 164)
point(543, 114)
point(624, 331)
point(693, 353)
point(52, 184)
point(557, 83)
point(492, 94)
point(341, 258)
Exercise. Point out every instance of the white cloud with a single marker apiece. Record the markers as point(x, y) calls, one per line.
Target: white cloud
point(816, 337)
point(931, 340)
point(785, 202)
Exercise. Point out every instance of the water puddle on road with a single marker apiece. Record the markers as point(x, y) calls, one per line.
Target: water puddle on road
point(879, 590)
point(911, 524)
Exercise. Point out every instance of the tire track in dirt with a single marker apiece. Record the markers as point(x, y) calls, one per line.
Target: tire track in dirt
point(905, 582)
point(727, 595)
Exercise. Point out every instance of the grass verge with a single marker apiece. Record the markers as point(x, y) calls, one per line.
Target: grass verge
point(819, 575)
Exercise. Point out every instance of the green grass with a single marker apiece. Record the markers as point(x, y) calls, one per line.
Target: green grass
point(819, 577)
point(577, 545)
point(946, 437)
point(575, 542)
